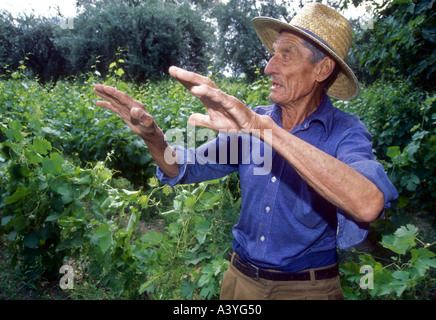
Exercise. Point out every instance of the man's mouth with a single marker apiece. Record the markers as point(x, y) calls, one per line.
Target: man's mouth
point(275, 85)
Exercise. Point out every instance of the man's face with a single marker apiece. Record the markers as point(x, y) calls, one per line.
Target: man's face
point(292, 73)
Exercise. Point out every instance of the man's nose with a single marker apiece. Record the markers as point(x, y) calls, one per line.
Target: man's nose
point(271, 67)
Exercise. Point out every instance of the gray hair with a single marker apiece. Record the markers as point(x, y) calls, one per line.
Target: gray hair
point(317, 55)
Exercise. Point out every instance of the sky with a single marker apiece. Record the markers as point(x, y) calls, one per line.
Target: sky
point(40, 7)
point(68, 9)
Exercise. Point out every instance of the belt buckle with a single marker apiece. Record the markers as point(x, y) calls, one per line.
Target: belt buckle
point(256, 275)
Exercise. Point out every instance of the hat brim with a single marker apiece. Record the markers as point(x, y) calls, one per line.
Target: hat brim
point(345, 87)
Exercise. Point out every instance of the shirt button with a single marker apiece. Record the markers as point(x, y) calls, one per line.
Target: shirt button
point(262, 238)
point(273, 179)
point(267, 208)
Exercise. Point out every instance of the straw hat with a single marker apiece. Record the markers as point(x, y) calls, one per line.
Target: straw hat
point(327, 28)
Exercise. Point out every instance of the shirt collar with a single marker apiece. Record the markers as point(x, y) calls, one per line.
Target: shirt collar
point(323, 114)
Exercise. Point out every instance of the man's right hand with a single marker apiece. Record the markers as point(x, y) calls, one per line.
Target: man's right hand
point(130, 110)
point(142, 123)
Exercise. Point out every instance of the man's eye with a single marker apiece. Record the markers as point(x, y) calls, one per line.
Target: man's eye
point(286, 57)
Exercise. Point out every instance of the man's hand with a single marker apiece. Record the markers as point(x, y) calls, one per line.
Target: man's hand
point(142, 123)
point(130, 110)
point(224, 112)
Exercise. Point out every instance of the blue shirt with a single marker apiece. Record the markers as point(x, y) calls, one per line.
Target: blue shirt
point(284, 224)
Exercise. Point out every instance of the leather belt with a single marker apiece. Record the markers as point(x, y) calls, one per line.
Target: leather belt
point(252, 271)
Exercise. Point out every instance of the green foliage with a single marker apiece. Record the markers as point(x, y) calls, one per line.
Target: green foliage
point(238, 45)
point(153, 35)
point(60, 203)
point(401, 119)
point(401, 43)
point(409, 274)
point(65, 199)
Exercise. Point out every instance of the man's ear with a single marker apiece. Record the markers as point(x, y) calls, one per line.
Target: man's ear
point(325, 68)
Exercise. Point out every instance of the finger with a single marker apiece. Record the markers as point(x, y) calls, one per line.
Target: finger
point(106, 93)
point(116, 97)
point(106, 105)
point(204, 92)
point(101, 91)
point(190, 79)
point(199, 120)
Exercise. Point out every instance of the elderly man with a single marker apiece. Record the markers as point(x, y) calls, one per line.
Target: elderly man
point(323, 186)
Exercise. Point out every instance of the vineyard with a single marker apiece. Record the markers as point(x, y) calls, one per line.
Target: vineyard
point(82, 214)
point(79, 189)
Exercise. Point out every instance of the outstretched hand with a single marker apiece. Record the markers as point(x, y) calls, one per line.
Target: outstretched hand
point(130, 110)
point(224, 112)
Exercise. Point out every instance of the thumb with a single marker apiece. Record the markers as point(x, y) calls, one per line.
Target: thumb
point(199, 120)
point(140, 116)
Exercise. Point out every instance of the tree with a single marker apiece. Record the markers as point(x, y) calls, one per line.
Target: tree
point(238, 46)
point(152, 35)
point(401, 43)
point(8, 35)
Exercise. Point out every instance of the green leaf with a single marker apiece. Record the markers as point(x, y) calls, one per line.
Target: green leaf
point(402, 281)
point(207, 291)
point(53, 217)
point(6, 220)
point(167, 190)
point(20, 223)
point(106, 203)
point(422, 259)
point(393, 152)
point(104, 235)
point(410, 181)
point(15, 136)
point(406, 236)
point(119, 72)
point(31, 240)
point(132, 221)
point(67, 193)
point(187, 290)
point(153, 182)
point(201, 230)
point(194, 258)
point(19, 194)
point(152, 238)
point(15, 125)
point(52, 165)
point(33, 157)
point(402, 240)
point(41, 146)
point(208, 200)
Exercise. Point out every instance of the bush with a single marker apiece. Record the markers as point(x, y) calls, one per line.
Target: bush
point(151, 36)
point(65, 199)
point(60, 203)
point(409, 274)
point(402, 121)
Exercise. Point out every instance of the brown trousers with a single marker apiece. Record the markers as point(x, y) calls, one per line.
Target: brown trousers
point(237, 286)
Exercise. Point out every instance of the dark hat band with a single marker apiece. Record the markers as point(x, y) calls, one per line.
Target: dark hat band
point(315, 36)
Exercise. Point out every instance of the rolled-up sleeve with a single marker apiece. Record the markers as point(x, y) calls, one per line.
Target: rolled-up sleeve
point(182, 156)
point(356, 151)
point(201, 164)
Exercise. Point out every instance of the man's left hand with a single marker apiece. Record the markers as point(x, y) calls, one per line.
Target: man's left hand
point(224, 112)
